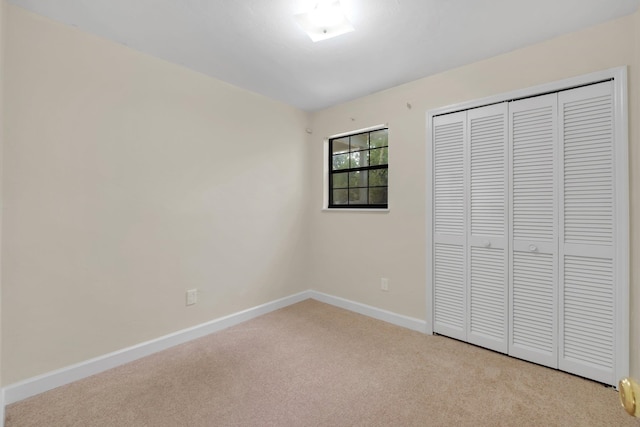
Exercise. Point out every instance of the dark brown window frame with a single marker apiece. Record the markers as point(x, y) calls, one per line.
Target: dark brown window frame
point(357, 152)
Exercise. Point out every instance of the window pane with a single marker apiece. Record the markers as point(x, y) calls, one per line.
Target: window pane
point(379, 138)
point(358, 179)
point(360, 142)
point(358, 196)
point(340, 180)
point(378, 177)
point(378, 196)
point(340, 145)
point(358, 173)
point(359, 159)
point(379, 156)
point(341, 161)
point(340, 197)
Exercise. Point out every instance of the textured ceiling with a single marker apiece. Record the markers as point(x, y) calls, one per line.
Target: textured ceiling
point(257, 45)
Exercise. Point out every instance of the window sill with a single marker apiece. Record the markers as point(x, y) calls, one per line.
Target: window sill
point(355, 210)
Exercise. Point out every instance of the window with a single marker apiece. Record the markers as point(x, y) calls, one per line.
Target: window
point(358, 170)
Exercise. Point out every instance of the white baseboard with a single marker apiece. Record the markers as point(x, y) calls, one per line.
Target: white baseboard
point(36, 385)
point(367, 310)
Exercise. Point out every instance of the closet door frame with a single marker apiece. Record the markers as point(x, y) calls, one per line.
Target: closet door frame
point(621, 165)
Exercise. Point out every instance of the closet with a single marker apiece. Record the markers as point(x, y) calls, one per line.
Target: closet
point(528, 251)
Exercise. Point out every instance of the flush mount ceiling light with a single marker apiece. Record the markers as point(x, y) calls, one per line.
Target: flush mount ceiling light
point(325, 20)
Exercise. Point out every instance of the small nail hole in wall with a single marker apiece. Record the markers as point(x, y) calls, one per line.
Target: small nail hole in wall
point(409, 106)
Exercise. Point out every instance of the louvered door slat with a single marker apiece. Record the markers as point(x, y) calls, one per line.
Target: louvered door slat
point(587, 292)
point(532, 159)
point(588, 165)
point(487, 308)
point(487, 161)
point(449, 299)
point(533, 300)
point(449, 177)
point(588, 311)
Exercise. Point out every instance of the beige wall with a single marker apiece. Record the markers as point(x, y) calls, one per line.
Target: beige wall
point(128, 180)
point(353, 250)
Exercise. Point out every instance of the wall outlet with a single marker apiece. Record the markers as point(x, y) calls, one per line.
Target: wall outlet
point(192, 296)
point(384, 284)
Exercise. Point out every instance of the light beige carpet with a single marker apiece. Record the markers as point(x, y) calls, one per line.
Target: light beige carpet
point(312, 364)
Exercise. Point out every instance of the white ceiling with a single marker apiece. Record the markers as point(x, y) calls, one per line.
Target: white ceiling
point(257, 45)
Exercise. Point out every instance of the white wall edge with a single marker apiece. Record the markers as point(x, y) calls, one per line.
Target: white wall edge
point(429, 217)
point(374, 312)
point(45, 382)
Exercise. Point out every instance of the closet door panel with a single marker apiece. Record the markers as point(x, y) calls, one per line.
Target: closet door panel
point(533, 132)
point(487, 227)
point(587, 247)
point(449, 237)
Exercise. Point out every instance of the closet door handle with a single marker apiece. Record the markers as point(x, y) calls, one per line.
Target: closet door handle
point(486, 244)
point(533, 248)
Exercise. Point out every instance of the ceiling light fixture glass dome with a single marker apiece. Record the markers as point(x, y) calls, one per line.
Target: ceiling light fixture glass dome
point(325, 20)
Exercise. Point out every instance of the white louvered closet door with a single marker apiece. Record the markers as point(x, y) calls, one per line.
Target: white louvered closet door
point(533, 218)
point(587, 246)
point(487, 291)
point(449, 278)
point(530, 228)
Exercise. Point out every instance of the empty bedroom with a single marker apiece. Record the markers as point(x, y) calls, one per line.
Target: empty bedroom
point(319, 213)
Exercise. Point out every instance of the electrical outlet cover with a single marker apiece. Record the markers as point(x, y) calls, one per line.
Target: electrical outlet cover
point(192, 296)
